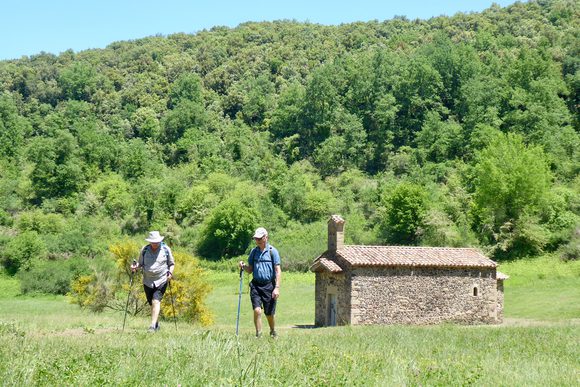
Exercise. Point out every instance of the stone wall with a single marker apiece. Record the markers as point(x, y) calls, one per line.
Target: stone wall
point(326, 284)
point(499, 301)
point(424, 296)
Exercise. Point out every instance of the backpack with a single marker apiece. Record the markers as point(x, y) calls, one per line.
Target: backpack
point(142, 255)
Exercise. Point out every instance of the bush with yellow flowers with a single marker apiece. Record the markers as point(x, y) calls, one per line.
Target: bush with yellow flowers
point(109, 287)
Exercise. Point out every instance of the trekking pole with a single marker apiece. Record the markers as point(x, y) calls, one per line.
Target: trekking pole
point(128, 296)
point(239, 299)
point(172, 306)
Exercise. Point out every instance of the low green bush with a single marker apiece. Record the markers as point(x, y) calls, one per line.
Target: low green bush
point(571, 251)
point(21, 250)
point(52, 277)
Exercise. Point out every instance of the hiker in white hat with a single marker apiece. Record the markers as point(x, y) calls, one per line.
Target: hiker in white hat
point(158, 264)
point(264, 264)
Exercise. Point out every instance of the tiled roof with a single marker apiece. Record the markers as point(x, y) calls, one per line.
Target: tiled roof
point(325, 264)
point(501, 276)
point(414, 256)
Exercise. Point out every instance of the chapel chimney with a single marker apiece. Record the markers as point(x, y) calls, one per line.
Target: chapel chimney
point(335, 233)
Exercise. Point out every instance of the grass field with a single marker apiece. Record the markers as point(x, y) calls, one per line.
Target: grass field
point(47, 341)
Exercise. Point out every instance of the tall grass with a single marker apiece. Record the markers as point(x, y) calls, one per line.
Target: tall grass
point(46, 341)
point(295, 306)
point(545, 288)
point(394, 355)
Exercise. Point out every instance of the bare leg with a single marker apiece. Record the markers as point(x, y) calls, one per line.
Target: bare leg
point(155, 309)
point(258, 320)
point(272, 323)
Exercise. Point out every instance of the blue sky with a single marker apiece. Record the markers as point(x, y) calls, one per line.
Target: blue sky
point(28, 27)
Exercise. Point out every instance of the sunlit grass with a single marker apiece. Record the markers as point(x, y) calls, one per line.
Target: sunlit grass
point(51, 342)
point(542, 288)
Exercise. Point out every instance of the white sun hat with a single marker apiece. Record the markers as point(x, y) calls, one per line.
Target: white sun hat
point(260, 233)
point(154, 237)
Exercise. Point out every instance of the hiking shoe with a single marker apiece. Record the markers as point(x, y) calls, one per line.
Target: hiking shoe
point(274, 334)
point(258, 335)
point(157, 327)
point(152, 329)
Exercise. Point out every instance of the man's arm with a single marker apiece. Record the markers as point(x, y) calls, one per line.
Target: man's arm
point(139, 262)
point(278, 276)
point(249, 268)
point(276, 292)
point(170, 262)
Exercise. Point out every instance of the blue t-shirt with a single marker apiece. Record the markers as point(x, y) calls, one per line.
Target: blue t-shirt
point(261, 262)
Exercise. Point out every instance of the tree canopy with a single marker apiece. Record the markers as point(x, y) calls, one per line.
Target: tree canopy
point(458, 130)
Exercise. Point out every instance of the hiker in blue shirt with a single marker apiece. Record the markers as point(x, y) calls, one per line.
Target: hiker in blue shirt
point(157, 262)
point(264, 264)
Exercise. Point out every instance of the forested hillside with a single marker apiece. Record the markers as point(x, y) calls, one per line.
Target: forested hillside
point(453, 131)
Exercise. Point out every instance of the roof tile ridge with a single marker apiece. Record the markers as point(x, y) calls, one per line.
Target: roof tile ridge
point(414, 247)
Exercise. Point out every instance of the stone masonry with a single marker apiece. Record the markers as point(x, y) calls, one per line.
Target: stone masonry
point(363, 285)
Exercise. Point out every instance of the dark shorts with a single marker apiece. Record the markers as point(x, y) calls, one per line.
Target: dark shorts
point(155, 293)
point(261, 296)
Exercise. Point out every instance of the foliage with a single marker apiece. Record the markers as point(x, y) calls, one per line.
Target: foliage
point(52, 277)
point(537, 345)
point(511, 184)
point(571, 251)
point(21, 251)
point(228, 230)
point(405, 209)
point(107, 286)
point(480, 110)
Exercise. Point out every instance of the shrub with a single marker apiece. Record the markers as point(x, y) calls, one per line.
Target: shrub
point(299, 244)
point(525, 237)
point(108, 285)
point(571, 251)
point(21, 251)
point(228, 230)
point(52, 277)
point(189, 289)
point(405, 214)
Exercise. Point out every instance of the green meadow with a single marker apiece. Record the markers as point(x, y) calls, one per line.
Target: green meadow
point(45, 340)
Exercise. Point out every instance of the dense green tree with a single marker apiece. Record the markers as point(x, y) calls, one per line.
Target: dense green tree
point(418, 92)
point(439, 141)
point(405, 209)
point(187, 87)
point(57, 171)
point(13, 128)
point(511, 182)
point(296, 121)
point(287, 119)
point(321, 102)
point(188, 114)
point(228, 230)
point(78, 82)
point(21, 252)
point(145, 123)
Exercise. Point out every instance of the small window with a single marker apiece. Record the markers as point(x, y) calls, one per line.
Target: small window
point(475, 291)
